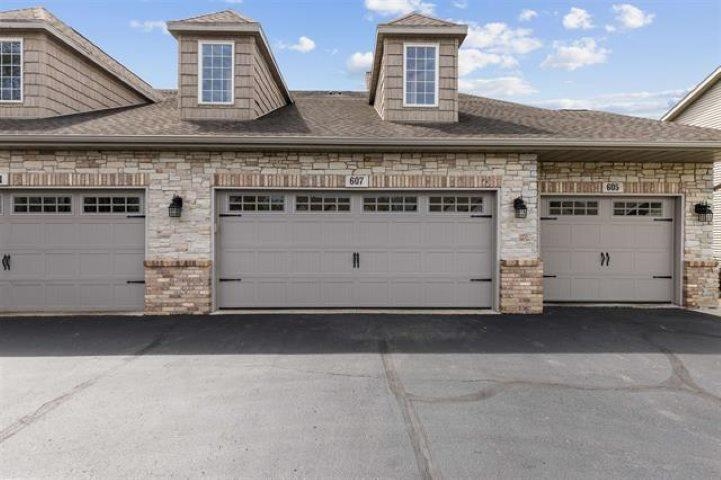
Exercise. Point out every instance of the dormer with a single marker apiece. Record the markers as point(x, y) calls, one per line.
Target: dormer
point(226, 68)
point(47, 69)
point(415, 69)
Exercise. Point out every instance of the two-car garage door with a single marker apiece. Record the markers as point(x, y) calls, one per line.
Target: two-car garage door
point(71, 251)
point(600, 249)
point(345, 249)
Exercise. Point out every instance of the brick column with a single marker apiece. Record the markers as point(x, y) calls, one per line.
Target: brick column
point(522, 286)
point(178, 286)
point(701, 284)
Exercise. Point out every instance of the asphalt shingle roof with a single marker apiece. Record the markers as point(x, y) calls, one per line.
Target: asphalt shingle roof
point(348, 115)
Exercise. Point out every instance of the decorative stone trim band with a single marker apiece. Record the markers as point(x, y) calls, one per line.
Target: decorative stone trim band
point(171, 263)
point(701, 263)
point(534, 262)
point(281, 181)
point(560, 186)
point(79, 180)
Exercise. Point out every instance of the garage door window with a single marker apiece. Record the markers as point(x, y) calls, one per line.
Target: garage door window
point(42, 204)
point(637, 209)
point(573, 207)
point(256, 203)
point(390, 204)
point(456, 204)
point(115, 204)
point(322, 203)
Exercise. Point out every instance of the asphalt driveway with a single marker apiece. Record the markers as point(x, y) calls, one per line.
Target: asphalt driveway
point(575, 393)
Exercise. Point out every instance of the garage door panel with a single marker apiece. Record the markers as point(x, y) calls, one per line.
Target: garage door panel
point(24, 235)
point(95, 235)
point(126, 234)
point(62, 264)
point(401, 255)
point(64, 295)
point(26, 264)
point(127, 266)
point(638, 248)
point(60, 235)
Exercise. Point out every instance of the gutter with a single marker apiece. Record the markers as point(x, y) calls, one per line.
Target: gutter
point(309, 142)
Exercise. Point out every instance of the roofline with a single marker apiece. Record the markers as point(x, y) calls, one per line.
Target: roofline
point(252, 28)
point(149, 92)
point(280, 143)
point(383, 30)
point(692, 96)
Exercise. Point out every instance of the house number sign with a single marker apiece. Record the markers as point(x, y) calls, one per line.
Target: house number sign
point(357, 181)
point(613, 187)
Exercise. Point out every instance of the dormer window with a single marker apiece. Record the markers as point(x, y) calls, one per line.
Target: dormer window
point(216, 72)
point(11, 70)
point(420, 75)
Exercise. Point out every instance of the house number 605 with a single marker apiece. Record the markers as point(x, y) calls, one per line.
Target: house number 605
point(613, 187)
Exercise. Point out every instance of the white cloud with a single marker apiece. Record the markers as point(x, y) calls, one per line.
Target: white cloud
point(577, 18)
point(500, 38)
point(398, 7)
point(304, 45)
point(360, 62)
point(577, 54)
point(462, 4)
point(644, 104)
point(499, 87)
point(234, 2)
point(527, 15)
point(631, 17)
point(472, 59)
point(149, 26)
point(610, 28)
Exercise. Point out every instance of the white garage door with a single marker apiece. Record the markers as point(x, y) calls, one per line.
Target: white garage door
point(71, 251)
point(608, 249)
point(346, 249)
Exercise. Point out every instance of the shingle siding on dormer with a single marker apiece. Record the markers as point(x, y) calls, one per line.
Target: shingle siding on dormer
point(266, 94)
point(705, 111)
point(389, 92)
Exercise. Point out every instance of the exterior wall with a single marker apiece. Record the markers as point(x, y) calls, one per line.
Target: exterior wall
point(522, 286)
point(256, 92)
point(391, 106)
point(717, 210)
point(266, 94)
point(705, 111)
point(692, 180)
point(58, 81)
point(180, 250)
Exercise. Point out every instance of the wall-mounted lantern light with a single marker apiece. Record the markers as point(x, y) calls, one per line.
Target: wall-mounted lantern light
point(176, 207)
point(520, 207)
point(703, 212)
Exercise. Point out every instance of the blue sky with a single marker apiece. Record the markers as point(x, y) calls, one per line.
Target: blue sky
point(636, 58)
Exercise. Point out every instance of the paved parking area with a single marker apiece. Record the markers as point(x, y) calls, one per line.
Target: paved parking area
point(575, 393)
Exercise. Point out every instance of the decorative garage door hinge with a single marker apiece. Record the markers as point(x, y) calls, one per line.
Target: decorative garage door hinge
point(549, 218)
point(135, 282)
point(481, 279)
point(481, 216)
point(136, 216)
point(665, 277)
point(231, 280)
point(549, 276)
point(223, 215)
point(663, 219)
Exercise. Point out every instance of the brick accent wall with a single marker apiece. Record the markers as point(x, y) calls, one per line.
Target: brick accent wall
point(522, 286)
point(178, 286)
point(700, 284)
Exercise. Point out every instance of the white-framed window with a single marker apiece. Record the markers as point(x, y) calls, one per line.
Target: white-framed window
point(42, 204)
point(216, 72)
point(420, 74)
point(568, 207)
point(109, 204)
point(11, 70)
point(637, 209)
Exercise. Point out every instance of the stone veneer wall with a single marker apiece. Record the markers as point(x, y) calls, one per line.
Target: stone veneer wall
point(170, 241)
point(692, 180)
point(522, 286)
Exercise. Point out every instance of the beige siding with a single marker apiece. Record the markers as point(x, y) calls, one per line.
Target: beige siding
point(267, 96)
point(58, 81)
point(717, 210)
point(380, 101)
point(392, 108)
point(256, 93)
point(705, 111)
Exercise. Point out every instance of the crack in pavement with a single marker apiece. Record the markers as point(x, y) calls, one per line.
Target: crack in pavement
point(415, 429)
point(47, 407)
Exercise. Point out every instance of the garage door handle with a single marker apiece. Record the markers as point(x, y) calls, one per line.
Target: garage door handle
point(6, 262)
point(608, 260)
point(603, 259)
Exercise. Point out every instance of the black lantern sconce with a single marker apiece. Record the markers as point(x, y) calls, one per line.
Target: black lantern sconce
point(520, 207)
point(703, 212)
point(176, 207)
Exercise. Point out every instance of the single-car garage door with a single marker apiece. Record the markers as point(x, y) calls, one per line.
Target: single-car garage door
point(608, 249)
point(71, 251)
point(343, 249)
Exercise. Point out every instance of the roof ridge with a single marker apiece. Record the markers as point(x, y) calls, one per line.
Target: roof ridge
point(230, 11)
point(418, 13)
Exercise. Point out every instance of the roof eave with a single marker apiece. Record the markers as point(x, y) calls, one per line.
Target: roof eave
point(455, 31)
point(692, 96)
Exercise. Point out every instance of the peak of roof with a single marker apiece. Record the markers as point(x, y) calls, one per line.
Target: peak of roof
point(421, 20)
point(224, 16)
point(41, 18)
point(693, 95)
